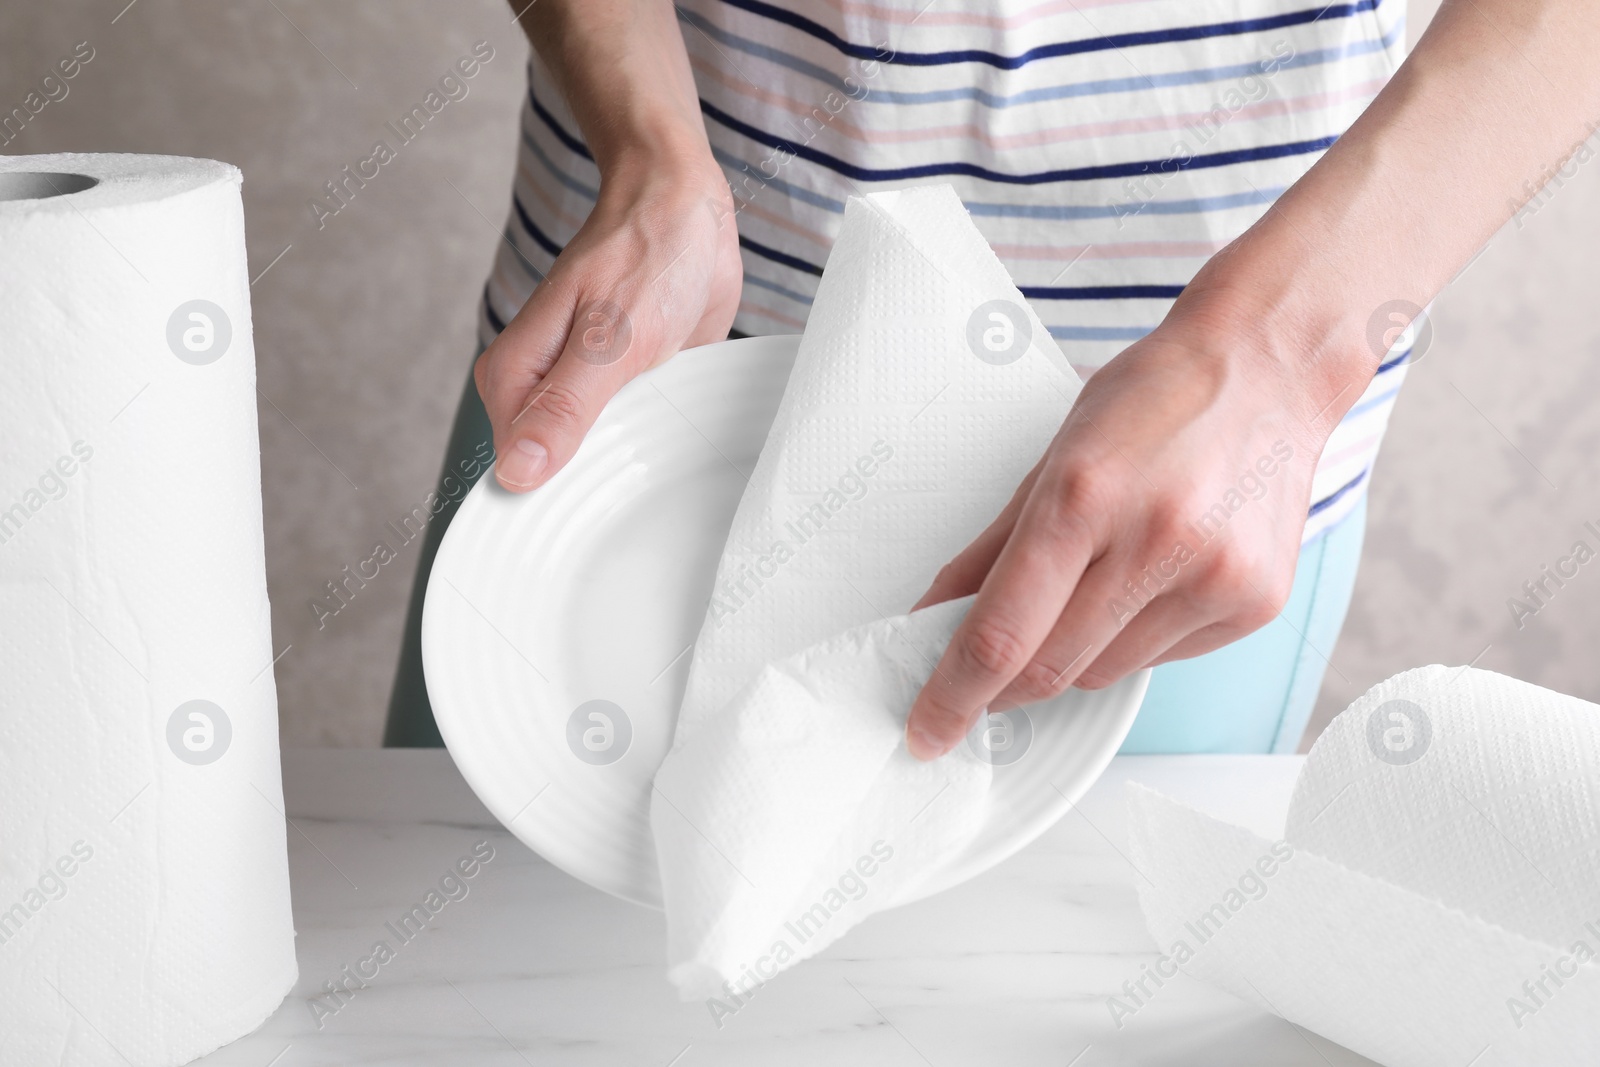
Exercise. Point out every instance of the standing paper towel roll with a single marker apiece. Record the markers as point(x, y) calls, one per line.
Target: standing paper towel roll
point(144, 890)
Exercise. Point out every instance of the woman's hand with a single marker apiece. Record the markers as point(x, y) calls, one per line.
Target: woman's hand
point(655, 268)
point(1264, 351)
point(1164, 521)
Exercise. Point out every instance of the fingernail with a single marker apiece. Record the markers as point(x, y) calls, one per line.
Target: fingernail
point(521, 466)
point(923, 745)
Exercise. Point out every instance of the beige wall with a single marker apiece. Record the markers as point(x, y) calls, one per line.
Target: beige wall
point(364, 330)
point(1490, 467)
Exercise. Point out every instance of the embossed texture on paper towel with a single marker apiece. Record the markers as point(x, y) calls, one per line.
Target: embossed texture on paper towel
point(144, 893)
point(1442, 903)
point(897, 441)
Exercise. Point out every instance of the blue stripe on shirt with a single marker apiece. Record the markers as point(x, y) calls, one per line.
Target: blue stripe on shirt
point(1132, 83)
point(1188, 206)
point(1099, 333)
point(793, 192)
point(1368, 405)
point(1052, 212)
point(1194, 205)
point(509, 236)
point(587, 192)
point(774, 287)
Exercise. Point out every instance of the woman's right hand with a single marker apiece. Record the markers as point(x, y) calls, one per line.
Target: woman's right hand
point(655, 268)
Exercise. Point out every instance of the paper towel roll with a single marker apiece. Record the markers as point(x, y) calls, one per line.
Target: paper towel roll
point(144, 892)
point(1436, 896)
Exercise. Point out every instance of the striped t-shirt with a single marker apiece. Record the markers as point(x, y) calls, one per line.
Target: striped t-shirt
point(1105, 148)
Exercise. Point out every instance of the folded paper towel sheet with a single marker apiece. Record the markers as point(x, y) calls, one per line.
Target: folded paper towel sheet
point(833, 820)
point(144, 888)
point(924, 391)
point(1436, 896)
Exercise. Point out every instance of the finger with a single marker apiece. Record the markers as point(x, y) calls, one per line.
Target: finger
point(963, 575)
point(1100, 610)
point(518, 359)
point(1016, 608)
point(1207, 639)
point(597, 360)
point(1159, 626)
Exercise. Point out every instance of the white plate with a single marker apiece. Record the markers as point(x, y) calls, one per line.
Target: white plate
point(593, 588)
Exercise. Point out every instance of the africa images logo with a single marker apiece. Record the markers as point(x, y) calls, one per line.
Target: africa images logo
point(599, 732)
point(1399, 732)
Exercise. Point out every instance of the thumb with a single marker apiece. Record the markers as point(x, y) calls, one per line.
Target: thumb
point(541, 404)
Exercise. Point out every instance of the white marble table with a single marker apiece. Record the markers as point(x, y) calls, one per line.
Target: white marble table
point(533, 967)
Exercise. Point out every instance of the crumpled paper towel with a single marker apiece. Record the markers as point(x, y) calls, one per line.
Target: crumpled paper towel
point(924, 391)
point(144, 882)
point(1436, 896)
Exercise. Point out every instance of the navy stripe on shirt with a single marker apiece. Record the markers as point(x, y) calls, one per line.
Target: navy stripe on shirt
point(1397, 361)
point(793, 262)
point(1071, 174)
point(1055, 49)
point(1333, 498)
point(1101, 172)
point(555, 127)
point(1101, 292)
point(488, 312)
point(533, 231)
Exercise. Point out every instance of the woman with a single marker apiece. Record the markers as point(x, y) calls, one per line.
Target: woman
point(1162, 181)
